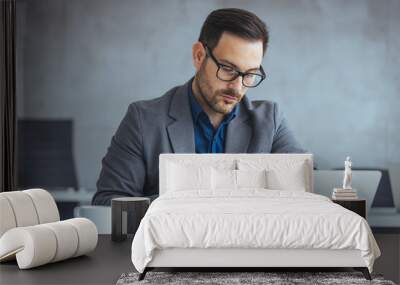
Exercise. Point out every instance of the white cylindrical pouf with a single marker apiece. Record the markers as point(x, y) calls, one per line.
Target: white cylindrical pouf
point(23, 207)
point(45, 205)
point(34, 245)
point(40, 247)
point(7, 218)
point(67, 239)
point(87, 234)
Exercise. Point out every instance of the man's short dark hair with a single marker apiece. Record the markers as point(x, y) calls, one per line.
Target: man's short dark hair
point(239, 22)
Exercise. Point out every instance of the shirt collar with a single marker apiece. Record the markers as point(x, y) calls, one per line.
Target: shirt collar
point(197, 109)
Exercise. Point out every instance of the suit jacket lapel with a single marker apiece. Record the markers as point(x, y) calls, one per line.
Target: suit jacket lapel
point(239, 131)
point(181, 130)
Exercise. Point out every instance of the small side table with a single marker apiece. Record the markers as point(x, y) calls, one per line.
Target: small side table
point(358, 206)
point(123, 208)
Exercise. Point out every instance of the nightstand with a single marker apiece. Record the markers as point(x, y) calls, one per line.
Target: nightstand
point(124, 208)
point(358, 206)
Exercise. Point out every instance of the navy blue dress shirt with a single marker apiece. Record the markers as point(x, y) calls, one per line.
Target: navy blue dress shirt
point(206, 138)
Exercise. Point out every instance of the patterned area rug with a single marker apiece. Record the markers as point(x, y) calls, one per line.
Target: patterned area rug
point(229, 278)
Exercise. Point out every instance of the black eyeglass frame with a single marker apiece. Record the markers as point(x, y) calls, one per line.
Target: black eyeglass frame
point(238, 73)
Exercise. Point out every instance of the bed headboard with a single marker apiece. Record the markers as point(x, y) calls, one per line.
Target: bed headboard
point(214, 158)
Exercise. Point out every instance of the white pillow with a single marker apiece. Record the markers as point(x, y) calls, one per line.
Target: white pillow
point(235, 179)
point(181, 177)
point(223, 179)
point(251, 178)
point(292, 179)
point(281, 174)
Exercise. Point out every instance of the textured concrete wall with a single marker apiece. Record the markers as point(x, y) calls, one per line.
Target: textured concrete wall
point(332, 65)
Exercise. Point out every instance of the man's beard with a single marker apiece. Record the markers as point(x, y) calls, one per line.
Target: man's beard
point(214, 100)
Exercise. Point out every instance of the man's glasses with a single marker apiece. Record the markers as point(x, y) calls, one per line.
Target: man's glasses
point(228, 73)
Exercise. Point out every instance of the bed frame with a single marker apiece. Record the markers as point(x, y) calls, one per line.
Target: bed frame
point(248, 259)
point(245, 259)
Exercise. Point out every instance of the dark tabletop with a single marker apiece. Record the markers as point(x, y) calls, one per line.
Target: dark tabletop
point(104, 265)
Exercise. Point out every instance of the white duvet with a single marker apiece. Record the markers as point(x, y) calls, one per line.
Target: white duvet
point(252, 218)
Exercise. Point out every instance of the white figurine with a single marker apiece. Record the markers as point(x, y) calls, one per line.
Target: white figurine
point(347, 174)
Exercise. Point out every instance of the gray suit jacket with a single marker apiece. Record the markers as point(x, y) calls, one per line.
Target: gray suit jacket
point(165, 125)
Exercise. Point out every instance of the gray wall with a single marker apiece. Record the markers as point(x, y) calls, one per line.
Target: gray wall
point(333, 66)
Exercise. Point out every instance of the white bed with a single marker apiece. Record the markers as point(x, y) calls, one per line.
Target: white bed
point(201, 223)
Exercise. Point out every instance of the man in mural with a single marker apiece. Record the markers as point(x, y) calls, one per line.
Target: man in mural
point(208, 114)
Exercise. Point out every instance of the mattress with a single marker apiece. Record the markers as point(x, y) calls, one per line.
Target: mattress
point(250, 219)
